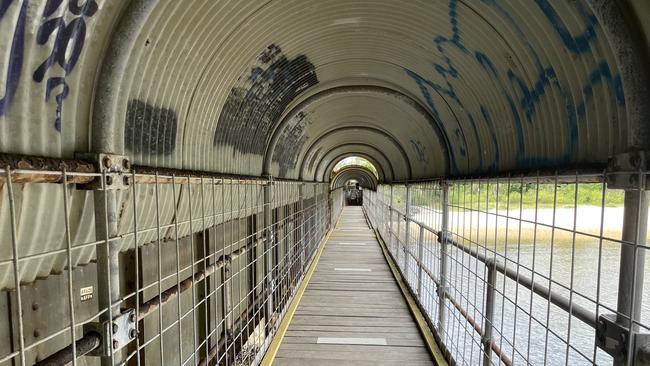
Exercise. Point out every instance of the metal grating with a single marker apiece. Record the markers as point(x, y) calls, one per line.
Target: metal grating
point(521, 270)
point(208, 286)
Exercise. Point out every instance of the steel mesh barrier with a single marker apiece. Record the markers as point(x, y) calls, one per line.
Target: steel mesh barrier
point(151, 268)
point(544, 269)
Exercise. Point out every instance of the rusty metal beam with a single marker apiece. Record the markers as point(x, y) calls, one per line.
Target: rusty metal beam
point(87, 343)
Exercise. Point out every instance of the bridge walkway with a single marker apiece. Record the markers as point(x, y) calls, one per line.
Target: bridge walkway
point(352, 311)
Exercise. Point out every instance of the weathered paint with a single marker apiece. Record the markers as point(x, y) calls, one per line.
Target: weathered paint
point(489, 85)
point(254, 108)
point(148, 129)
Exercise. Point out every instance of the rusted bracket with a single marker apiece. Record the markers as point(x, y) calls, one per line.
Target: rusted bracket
point(115, 171)
point(629, 171)
point(115, 334)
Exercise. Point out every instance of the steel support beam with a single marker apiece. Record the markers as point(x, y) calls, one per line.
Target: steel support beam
point(269, 239)
point(631, 275)
point(301, 217)
point(390, 219)
point(420, 260)
point(407, 231)
point(443, 239)
point(108, 269)
point(488, 320)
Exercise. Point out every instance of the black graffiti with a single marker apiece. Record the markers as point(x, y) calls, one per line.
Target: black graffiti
point(314, 158)
point(149, 129)
point(253, 110)
point(68, 44)
point(291, 140)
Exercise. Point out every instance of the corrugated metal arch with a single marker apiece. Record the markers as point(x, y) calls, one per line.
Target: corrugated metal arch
point(203, 85)
point(364, 176)
point(347, 91)
point(351, 149)
point(371, 131)
point(381, 177)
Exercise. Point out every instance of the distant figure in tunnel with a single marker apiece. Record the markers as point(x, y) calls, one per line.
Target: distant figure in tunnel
point(353, 194)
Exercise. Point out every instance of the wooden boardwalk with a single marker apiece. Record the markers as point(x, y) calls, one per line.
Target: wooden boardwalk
point(352, 312)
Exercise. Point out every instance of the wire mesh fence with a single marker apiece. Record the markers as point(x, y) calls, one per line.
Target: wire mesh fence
point(521, 271)
point(168, 269)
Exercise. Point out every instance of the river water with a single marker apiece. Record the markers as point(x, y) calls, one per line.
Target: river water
point(528, 328)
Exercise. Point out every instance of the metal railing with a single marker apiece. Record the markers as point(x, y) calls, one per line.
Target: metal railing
point(169, 267)
point(523, 270)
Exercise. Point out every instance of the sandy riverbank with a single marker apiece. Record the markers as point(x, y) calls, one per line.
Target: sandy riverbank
point(517, 226)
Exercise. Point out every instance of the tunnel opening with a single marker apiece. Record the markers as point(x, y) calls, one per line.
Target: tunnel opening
point(355, 161)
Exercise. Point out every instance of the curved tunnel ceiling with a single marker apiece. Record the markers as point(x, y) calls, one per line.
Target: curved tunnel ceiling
point(424, 88)
point(361, 174)
point(329, 170)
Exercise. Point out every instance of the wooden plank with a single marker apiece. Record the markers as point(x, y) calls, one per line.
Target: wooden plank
point(280, 361)
point(354, 352)
point(352, 302)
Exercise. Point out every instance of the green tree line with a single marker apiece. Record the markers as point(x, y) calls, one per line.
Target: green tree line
point(488, 195)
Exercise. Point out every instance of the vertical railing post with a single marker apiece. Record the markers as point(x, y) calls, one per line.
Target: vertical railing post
point(316, 208)
point(488, 316)
point(397, 240)
point(108, 270)
point(407, 231)
point(386, 214)
point(390, 218)
point(632, 267)
point(227, 301)
point(115, 176)
point(301, 218)
point(381, 204)
point(380, 212)
point(268, 251)
point(444, 235)
point(420, 259)
point(628, 171)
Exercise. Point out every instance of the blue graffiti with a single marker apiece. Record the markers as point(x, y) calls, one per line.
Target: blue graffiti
point(450, 74)
point(575, 44)
point(600, 73)
point(68, 43)
point(419, 149)
point(424, 85)
point(16, 54)
point(63, 54)
point(524, 102)
point(493, 135)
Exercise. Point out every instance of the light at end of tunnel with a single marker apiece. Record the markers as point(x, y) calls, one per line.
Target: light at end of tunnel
point(355, 161)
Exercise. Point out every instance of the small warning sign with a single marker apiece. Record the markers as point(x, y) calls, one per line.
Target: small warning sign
point(86, 293)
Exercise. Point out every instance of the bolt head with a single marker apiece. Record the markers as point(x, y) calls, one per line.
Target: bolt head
point(108, 163)
point(109, 180)
point(115, 328)
point(635, 160)
point(133, 333)
point(126, 164)
point(132, 317)
point(126, 180)
point(116, 344)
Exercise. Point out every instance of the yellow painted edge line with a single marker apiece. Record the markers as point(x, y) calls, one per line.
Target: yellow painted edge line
point(420, 320)
point(272, 351)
